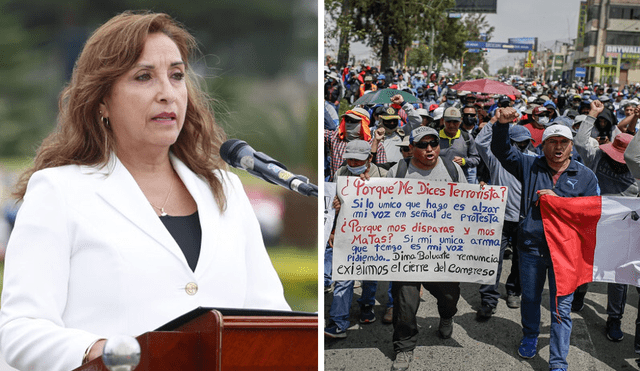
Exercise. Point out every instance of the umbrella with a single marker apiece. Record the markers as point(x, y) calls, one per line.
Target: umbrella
point(383, 96)
point(486, 86)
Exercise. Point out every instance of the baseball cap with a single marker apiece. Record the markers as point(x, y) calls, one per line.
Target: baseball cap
point(357, 149)
point(504, 99)
point(389, 113)
point(539, 109)
point(557, 131)
point(405, 142)
point(359, 110)
point(452, 114)
point(421, 132)
point(519, 133)
point(566, 121)
point(616, 149)
point(438, 113)
point(423, 112)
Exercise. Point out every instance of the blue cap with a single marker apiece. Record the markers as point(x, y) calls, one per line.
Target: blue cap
point(519, 133)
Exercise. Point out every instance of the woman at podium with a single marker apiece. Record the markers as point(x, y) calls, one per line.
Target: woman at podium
point(130, 218)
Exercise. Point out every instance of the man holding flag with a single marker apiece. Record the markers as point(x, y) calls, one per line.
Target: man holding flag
point(556, 174)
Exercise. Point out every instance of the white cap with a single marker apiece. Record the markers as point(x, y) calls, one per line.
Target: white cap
point(438, 113)
point(557, 131)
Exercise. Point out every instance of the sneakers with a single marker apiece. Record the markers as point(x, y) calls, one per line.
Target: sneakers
point(527, 348)
point(366, 314)
point(446, 327)
point(513, 301)
point(388, 316)
point(402, 361)
point(334, 332)
point(614, 333)
point(485, 312)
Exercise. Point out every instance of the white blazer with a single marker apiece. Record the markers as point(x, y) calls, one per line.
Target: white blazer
point(88, 258)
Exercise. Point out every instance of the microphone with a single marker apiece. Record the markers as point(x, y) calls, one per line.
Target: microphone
point(239, 154)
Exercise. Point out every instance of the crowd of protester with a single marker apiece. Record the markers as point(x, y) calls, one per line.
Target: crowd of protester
point(529, 142)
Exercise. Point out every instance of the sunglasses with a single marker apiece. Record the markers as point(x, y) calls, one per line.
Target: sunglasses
point(405, 149)
point(424, 145)
point(469, 115)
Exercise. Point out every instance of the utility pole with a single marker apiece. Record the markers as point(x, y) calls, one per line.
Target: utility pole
point(602, 36)
point(431, 44)
point(462, 65)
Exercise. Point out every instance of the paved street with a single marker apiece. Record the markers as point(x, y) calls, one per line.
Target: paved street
point(490, 345)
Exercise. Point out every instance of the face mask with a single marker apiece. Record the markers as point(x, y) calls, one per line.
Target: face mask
point(522, 146)
point(357, 170)
point(431, 97)
point(451, 102)
point(543, 120)
point(390, 127)
point(470, 121)
point(353, 131)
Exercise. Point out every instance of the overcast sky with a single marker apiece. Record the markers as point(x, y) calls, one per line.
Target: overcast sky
point(549, 20)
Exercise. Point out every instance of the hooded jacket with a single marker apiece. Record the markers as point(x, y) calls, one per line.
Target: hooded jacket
point(534, 174)
point(608, 129)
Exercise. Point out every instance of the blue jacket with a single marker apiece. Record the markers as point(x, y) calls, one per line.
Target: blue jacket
point(534, 174)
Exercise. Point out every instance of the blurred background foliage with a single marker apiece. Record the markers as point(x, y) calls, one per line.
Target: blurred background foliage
point(258, 61)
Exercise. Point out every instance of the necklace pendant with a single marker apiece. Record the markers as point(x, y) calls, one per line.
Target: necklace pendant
point(162, 212)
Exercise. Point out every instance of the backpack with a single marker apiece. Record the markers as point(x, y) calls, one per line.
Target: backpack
point(465, 136)
point(403, 165)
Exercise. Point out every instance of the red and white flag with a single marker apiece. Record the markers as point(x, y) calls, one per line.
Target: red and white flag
point(592, 239)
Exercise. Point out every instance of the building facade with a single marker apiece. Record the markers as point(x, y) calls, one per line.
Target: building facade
point(608, 42)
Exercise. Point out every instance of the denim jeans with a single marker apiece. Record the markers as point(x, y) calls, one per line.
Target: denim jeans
point(342, 296)
point(489, 294)
point(533, 273)
point(328, 265)
point(616, 300)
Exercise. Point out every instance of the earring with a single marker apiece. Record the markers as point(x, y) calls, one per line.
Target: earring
point(105, 121)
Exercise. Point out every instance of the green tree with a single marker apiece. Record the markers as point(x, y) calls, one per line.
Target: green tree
point(26, 81)
point(389, 27)
point(476, 24)
point(339, 12)
point(418, 56)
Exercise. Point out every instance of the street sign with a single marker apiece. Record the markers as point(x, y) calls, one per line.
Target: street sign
point(581, 72)
point(524, 40)
point(492, 45)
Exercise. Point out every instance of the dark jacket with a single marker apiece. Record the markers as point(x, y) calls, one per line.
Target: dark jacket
point(534, 174)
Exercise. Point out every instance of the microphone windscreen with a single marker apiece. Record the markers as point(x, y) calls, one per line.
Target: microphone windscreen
point(229, 151)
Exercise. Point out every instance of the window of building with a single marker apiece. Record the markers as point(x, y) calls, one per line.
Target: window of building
point(624, 12)
point(594, 12)
point(590, 38)
point(623, 38)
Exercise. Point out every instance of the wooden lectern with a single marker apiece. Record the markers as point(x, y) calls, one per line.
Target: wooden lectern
point(229, 339)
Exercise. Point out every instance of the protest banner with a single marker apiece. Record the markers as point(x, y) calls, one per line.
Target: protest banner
point(394, 229)
point(329, 211)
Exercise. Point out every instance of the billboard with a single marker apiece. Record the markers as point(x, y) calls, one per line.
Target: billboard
point(582, 23)
point(524, 40)
point(627, 51)
point(475, 6)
